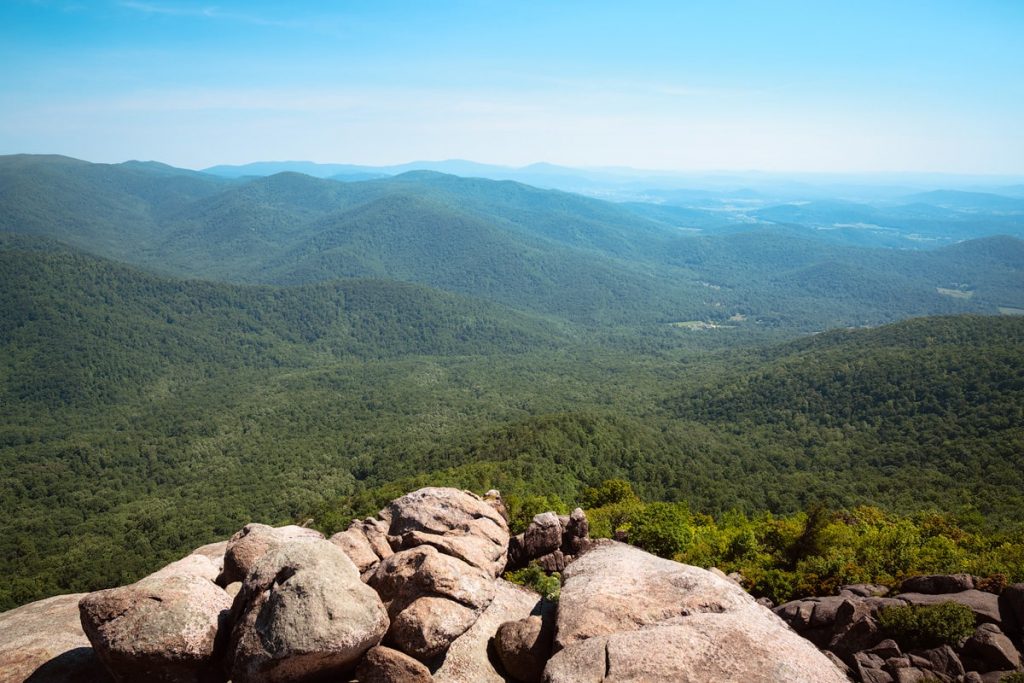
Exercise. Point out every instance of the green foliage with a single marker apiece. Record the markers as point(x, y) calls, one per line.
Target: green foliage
point(916, 626)
point(532, 576)
point(1016, 677)
point(141, 416)
point(662, 528)
point(522, 509)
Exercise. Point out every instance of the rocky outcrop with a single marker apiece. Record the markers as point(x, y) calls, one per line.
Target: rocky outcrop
point(848, 626)
point(551, 540)
point(252, 542)
point(625, 615)
point(414, 594)
point(365, 542)
point(431, 598)
point(43, 642)
point(303, 613)
point(449, 547)
point(471, 657)
point(159, 629)
point(457, 523)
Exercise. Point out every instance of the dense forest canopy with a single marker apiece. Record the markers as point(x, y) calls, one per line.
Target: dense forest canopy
point(181, 354)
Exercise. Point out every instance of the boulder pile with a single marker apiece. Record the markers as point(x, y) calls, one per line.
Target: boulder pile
point(416, 594)
point(847, 626)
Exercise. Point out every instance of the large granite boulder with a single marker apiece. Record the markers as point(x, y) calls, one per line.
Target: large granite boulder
point(432, 598)
point(43, 642)
point(984, 605)
point(990, 650)
point(457, 523)
point(158, 629)
point(471, 657)
point(626, 615)
point(302, 613)
point(252, 542)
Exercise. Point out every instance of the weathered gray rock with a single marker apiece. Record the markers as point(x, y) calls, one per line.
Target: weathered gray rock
point(252, 542)
point(544, 535)
point(936, 584)
point(431, 598)
point(471, 657)
point(984, 605)
point(944, 662)
point(458, 523)
point(864, 590)
point(43, 642)
point(524, 647)
point(990, 650)
point(383, 665)
point(625, 615)
point(870, 668)
point(303, 612)
point(158, 629)
point(576, 534)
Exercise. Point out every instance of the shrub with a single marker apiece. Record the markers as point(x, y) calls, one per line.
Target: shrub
point(1016, 677)
point(662, 529)
point(917, 626)
point(534, 577)
point(775, 584)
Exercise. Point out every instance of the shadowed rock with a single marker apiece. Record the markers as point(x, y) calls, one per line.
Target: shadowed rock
point(383, 665)
point(471, 658)
point(43, 642)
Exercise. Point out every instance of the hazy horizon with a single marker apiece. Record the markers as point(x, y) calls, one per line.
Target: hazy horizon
point(798, 87)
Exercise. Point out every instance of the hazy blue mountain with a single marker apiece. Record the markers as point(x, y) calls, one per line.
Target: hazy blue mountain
point(969, 201)
point(542, 251)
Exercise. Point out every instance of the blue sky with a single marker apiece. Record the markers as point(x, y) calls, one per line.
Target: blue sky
point(778, 86)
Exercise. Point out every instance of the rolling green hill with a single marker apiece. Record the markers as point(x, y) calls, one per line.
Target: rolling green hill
point(539, 251)
point(142, 415)
point(338, 343)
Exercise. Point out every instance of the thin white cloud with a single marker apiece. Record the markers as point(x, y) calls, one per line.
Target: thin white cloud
point(206, 12)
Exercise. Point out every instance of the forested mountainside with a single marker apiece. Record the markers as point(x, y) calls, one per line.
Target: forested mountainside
point(541, 251)
point(143, 415)
point(183, 353)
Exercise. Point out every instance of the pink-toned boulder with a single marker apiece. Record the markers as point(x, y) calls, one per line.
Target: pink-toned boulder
point(303, 613)
point(458, 523)
point(252, 542)
point(43, 642)
point(625, 615)
point(158, 629)
point(365, 542)
point(383, 665)
point(205, 561)
point(470, 658)
point(432, 598)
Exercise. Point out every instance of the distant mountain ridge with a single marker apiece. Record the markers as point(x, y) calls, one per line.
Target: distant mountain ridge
point(542, 251)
